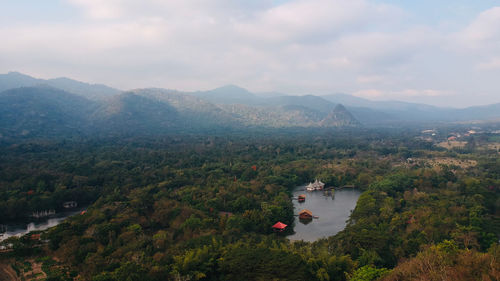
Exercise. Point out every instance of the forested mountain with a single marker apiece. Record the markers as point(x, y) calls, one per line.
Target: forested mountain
point(310, 102)
point(176, 186)
point(131, 113)
point(91, 91)
point(229, 94)
point(339, 117)
point(386, 112)
point(43, 111)
point(67, 106)
point(479, 112)
point(46, 111)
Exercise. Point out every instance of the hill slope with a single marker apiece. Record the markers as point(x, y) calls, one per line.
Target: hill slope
point(13, 80)
point(43, 111)
point(229, 94)
point(339, 117)
point(72, 107)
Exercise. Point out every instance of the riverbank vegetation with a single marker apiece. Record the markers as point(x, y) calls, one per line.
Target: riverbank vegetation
point(202, 207)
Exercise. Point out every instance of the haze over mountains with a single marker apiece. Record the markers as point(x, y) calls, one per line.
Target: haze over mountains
point(36, 107)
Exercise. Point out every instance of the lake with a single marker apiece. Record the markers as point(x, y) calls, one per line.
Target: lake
point(332, 212)
point(22, 228)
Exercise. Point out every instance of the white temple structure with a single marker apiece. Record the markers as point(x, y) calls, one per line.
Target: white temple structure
point(316, 185)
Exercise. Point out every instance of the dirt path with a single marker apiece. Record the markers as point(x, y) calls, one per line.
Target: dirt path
point(7, 273)
point(36, 272)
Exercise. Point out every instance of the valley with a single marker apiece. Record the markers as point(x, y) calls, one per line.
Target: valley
point(283, 140)
point(199, 206)
point(185, 186)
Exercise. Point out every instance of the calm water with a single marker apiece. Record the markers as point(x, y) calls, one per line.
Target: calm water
point(332, 212)
point(22, 228)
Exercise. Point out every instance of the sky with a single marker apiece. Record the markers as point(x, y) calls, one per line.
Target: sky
point(444, 53)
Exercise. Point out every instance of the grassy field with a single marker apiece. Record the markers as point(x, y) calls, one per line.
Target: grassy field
point(452, 144)
point(495, 146)
point(436, 162)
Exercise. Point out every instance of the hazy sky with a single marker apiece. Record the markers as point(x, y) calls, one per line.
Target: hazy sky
point(437, 52)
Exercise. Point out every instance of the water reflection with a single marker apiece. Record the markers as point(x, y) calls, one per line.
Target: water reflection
point(305, 221)
point(332, 211)
point(22, 228)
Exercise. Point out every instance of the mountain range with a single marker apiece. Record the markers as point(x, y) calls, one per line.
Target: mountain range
point(32, 107)
point(90, 91)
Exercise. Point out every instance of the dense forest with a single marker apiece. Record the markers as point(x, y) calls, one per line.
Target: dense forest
point(201, 207)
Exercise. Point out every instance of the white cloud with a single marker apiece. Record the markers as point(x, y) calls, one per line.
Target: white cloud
point(479, 41)
point(401, 94)
point(369, 93)
point(313, 21)
point(369, 79)
point(186, 9)
point(483, 32)
point(102, 9)
point(297, 46)
point(491, 64)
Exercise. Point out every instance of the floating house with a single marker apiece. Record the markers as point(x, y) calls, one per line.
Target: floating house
point(43, 214)
point(305, 214)
point(279, 226)
point(302, 198)
point(316, 185)
point(70, 204)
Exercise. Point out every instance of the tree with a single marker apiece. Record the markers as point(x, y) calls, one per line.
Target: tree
point(368, 273)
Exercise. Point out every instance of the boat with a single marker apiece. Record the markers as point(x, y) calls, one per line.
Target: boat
point(302, 198)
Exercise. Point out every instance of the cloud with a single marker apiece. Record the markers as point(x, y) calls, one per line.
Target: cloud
point(108, 9)
point(315, 21)
point(217, 41)
point(480, 40)
point(369, 93)
point(186, 9)
point(401, 94)
point(369, 79)
point(492, 64)
point(295, 46)
point(483, 32)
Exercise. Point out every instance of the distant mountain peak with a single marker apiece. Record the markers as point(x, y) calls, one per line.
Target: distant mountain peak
point(339, 108)
point(231, 91)
point(14, 79)
point(230, 87)
point(66, 79)
point(16, 73)
point(339, 117)
point(228, 94)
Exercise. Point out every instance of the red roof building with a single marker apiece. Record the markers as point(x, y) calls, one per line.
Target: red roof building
point(35, 237)
point(279, 226)
point(302, 198)
point(305, 214)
